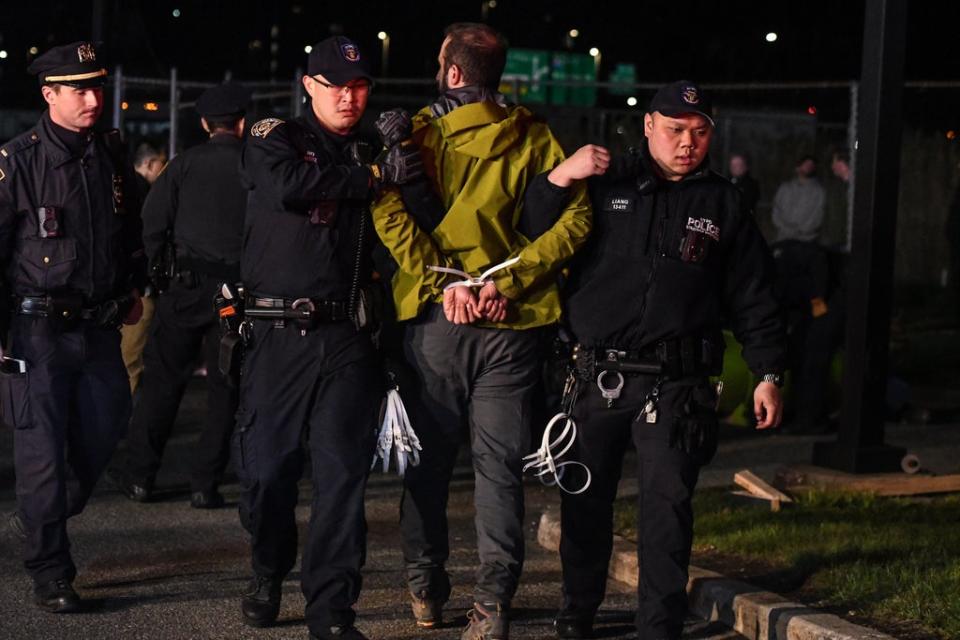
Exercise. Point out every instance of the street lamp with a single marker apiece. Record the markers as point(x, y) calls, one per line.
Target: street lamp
point(384, 53)
point(771, 37)
point(595, 52)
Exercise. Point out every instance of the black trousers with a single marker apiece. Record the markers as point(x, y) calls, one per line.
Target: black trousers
point(324, 389)
point(483, 379)
point(184, 321)
point(68, 412)
point(666, 478)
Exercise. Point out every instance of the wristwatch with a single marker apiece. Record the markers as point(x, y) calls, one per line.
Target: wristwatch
point(775, 378)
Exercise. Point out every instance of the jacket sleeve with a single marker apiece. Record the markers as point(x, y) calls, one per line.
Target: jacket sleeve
point(274, 163)
point(543, 202)
point(160, 209)
point(750, 305)
point(542, 258)
point(8, 214)
point(412, 248)
point(133, 235)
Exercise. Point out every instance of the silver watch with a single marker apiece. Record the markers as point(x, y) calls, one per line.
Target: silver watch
point(775, 378)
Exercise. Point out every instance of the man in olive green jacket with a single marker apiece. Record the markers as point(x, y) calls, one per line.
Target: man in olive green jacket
point(476, 354)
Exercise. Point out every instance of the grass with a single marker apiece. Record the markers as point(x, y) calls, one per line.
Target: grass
point(893, 561)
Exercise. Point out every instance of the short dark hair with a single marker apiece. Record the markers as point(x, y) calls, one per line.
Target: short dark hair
point(479, 50)
point(145, 152)
point(223, 123)
point(841, 154)
point(805, 158)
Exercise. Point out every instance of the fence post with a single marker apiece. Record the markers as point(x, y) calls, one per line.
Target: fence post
point(852, 152)
point(174, 112)
point(118, 97)
point(297, 107)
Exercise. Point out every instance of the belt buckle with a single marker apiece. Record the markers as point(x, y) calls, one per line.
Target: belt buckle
point(309, 318)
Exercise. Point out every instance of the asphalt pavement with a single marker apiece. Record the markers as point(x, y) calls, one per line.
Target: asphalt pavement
point(165, 570)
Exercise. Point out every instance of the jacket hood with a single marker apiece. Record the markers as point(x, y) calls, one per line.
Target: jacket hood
point(484, 129)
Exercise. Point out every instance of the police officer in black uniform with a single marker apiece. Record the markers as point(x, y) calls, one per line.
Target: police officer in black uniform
point(199, 197)
point(309, 372)
point(674, 256)
point(73, 261)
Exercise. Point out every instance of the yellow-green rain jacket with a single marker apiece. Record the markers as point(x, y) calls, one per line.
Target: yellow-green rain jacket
point(485, 156)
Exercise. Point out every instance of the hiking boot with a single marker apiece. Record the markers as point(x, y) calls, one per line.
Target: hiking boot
point(427, 611)
point(486, 621)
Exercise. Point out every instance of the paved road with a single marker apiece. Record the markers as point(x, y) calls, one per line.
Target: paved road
point(164, 570)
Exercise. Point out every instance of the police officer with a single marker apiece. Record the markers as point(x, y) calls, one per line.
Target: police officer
point(674, 256)
point(200, 199)
point(309, 372)
point(73, 259)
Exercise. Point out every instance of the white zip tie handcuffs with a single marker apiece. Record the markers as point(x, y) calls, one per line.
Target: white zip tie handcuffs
point(543, 460)
point(471, 281)
point(397, 436)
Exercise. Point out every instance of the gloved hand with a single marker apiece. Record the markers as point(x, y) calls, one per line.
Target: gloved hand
point(400, 165)
point(394, 126)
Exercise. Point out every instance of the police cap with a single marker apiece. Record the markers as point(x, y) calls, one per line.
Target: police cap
point(681, 97)
point(227, 99)
point(337, 59)
point(74, 65)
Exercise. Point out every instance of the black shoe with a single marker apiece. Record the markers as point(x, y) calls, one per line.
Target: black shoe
point(138, 492)
point(261, 603)
point(339, 632)
point(56, 596)
point(17, 527)
point(571, 626)
point(206, 499)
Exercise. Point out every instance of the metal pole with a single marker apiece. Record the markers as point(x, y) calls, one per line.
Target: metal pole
point(852, 153)
point(174, 112)
point(297, 107)
point(859, 447)
point(118, 97)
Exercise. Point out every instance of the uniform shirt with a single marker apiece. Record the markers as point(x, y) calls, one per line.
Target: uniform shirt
point(98, 251)
point(481, 157)
point(199, 195)
point(673, 260)
point(304, 206)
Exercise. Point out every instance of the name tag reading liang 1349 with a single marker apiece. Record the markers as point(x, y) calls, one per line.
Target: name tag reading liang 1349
point(618, 204)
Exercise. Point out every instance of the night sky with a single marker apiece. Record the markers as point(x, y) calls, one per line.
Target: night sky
point(708, 41)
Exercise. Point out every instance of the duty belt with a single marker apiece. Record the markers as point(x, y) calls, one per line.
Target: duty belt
point(310, 310)
point(671, 358)
point(70, 307)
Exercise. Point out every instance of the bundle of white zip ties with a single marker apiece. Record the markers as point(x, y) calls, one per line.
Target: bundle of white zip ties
point(543, 462)
point(397, 436)
point(471, 281)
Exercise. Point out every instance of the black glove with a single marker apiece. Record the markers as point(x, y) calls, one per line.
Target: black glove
point(400, 165)
point(394, 126)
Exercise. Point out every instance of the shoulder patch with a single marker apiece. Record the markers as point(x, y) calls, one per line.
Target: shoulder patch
point(263, 128)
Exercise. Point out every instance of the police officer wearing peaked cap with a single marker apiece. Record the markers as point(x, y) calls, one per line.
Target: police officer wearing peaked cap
point(309, 370)
point(72, 256)
point(200, 199)
point(675, 256)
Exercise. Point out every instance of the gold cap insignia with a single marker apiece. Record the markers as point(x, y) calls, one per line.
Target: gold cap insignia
point(86, 53)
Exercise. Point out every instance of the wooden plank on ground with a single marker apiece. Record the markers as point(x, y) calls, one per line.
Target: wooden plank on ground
point(759, 487)
point(883, 484)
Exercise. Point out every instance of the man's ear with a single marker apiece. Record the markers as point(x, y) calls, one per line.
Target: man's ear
point(454, 76)
point(205, 124)
point(648, 125)
point(49, 95)
point(309, 85)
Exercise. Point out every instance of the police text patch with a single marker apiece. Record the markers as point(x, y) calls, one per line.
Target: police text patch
point(618, 204)
point(704, 226)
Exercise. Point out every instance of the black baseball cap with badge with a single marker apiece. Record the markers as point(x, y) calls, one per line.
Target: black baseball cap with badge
point(682, 97)
point(74, 65)
point(224, 100)
point(338, 59)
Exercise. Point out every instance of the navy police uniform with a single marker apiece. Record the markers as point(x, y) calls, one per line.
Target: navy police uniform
point(669, 263)
point(72, 257)
point(314, 379)
point(200, 200)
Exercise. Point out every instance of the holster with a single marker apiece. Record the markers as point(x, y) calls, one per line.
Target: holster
point(230, 358)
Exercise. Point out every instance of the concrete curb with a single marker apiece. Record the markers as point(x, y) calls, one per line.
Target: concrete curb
point(756, 614)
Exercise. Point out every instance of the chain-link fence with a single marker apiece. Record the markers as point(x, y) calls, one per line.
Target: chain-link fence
point(772, 124)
